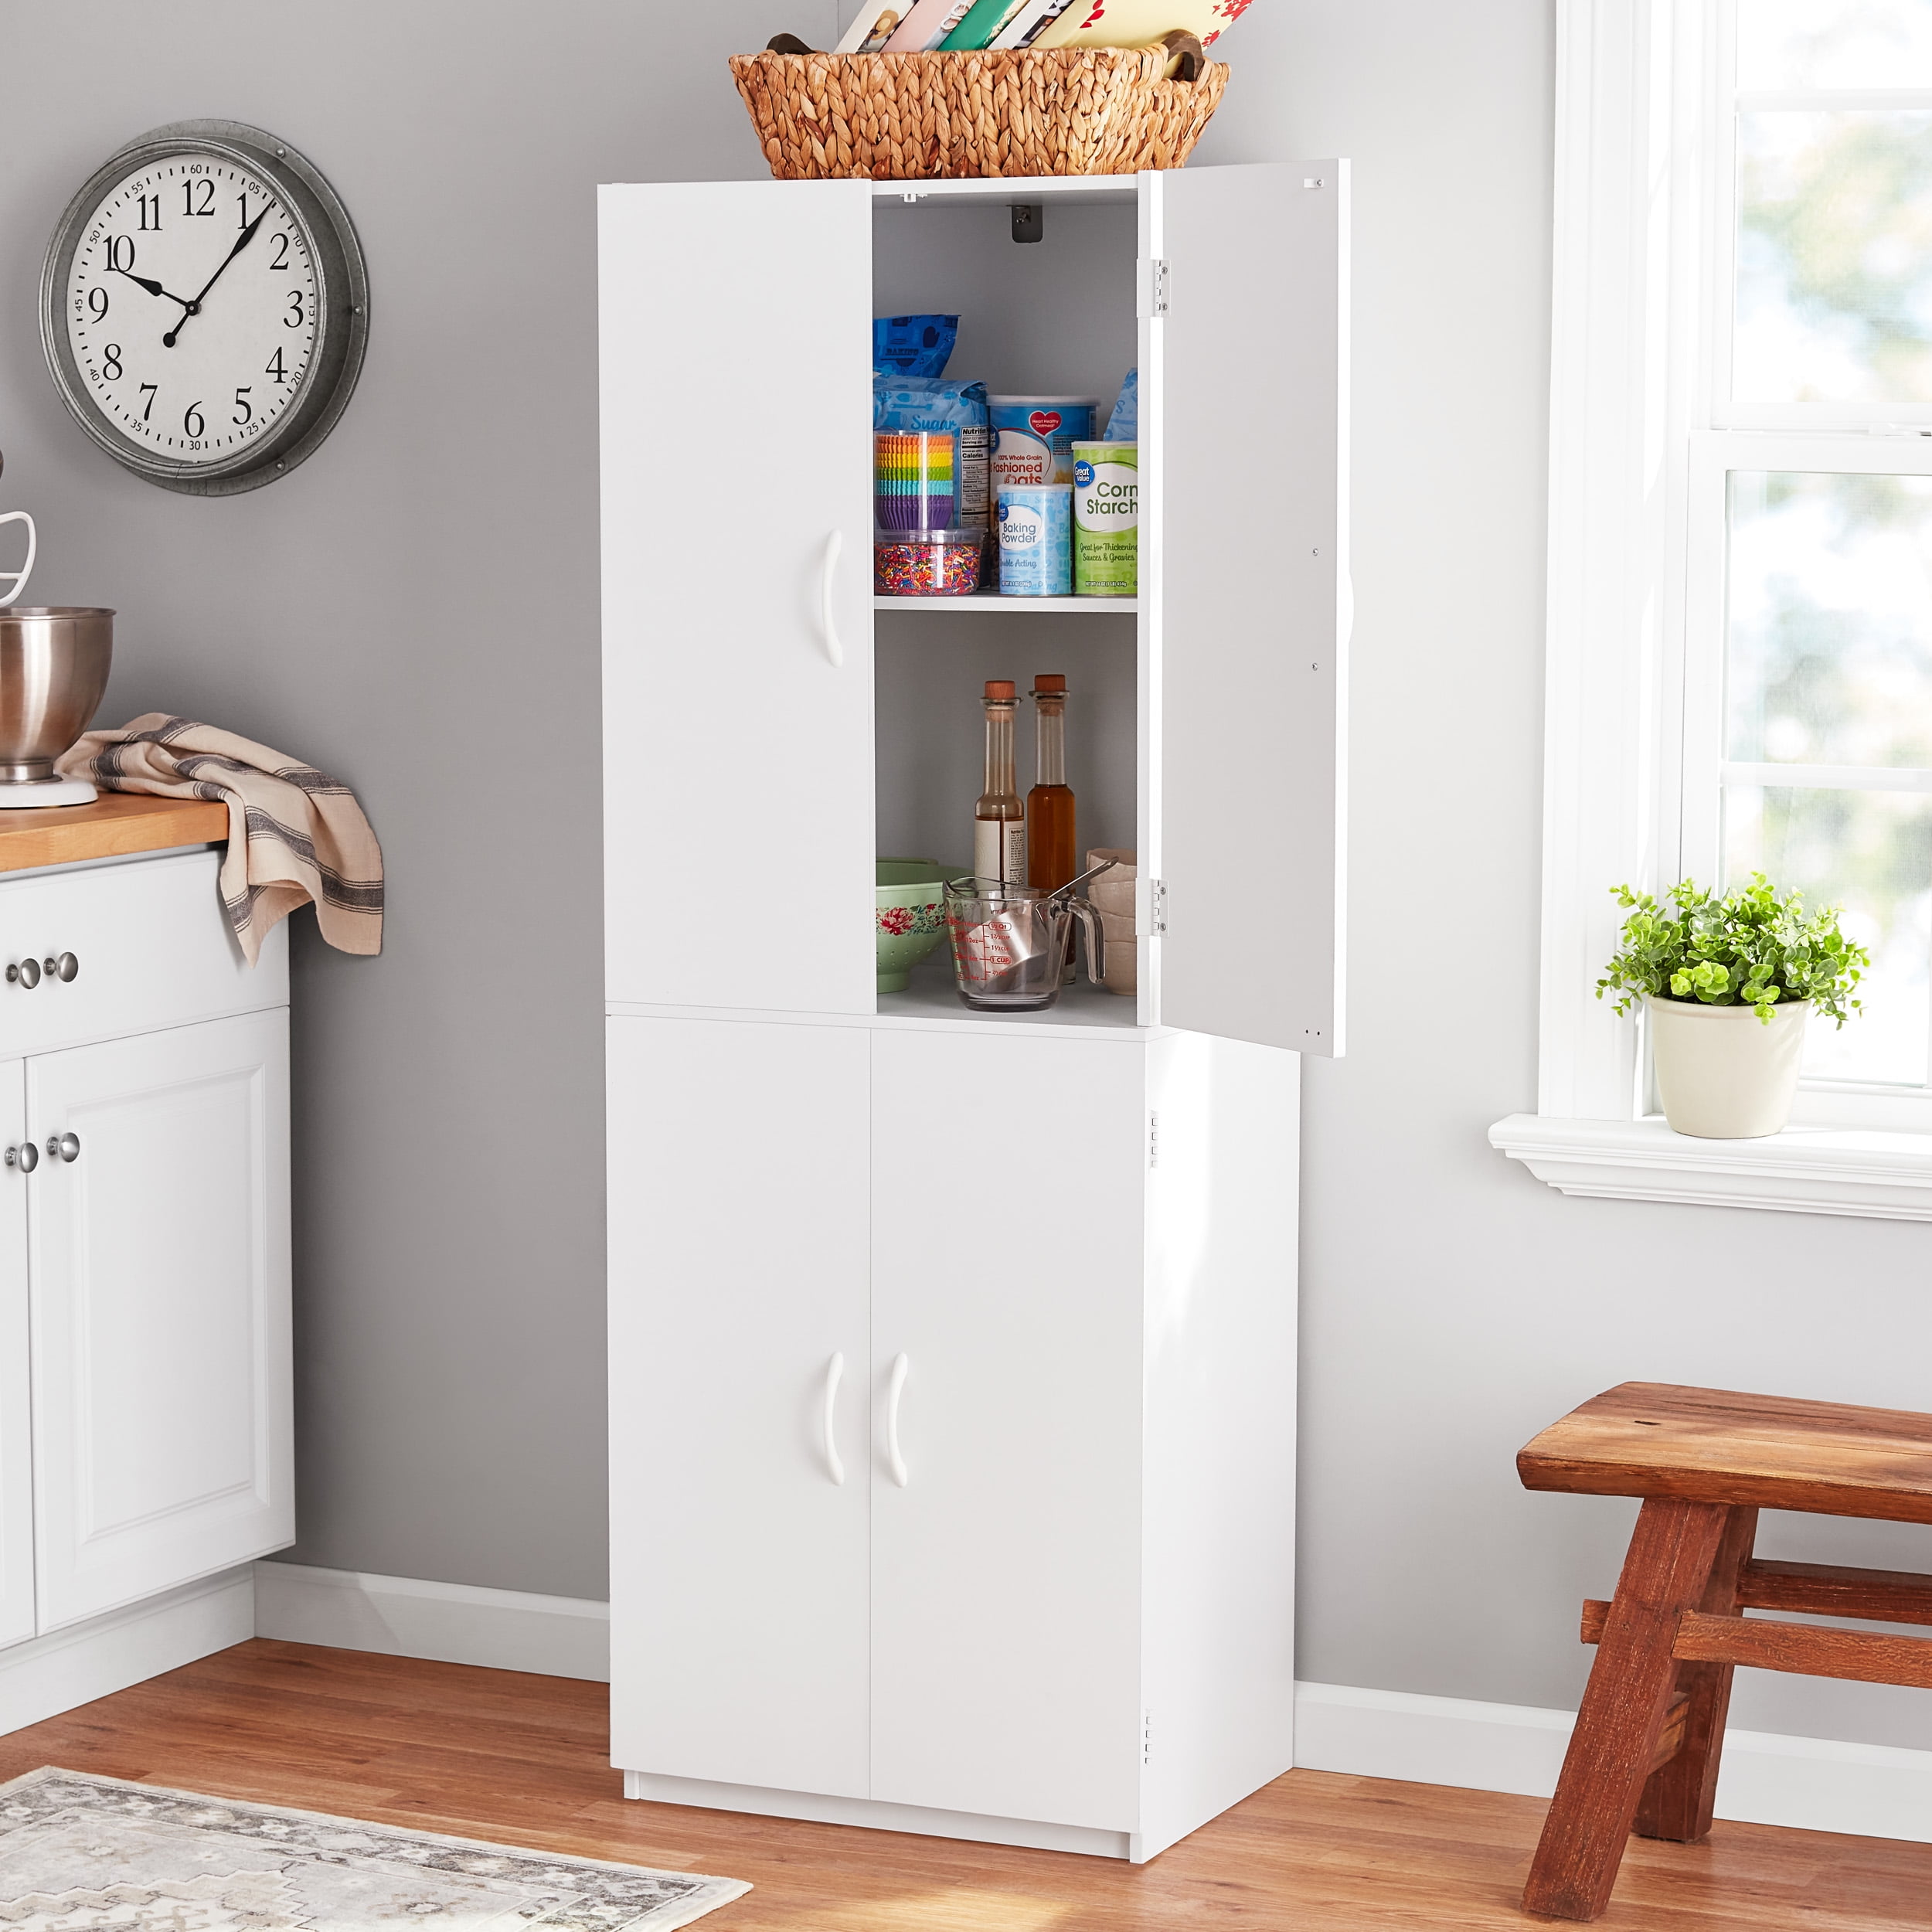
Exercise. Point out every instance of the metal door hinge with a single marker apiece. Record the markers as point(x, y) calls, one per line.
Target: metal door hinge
point(1157, 906)
point(1153, 286)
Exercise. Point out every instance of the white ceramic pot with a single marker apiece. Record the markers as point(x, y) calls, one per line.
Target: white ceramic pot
point(1722, 1073)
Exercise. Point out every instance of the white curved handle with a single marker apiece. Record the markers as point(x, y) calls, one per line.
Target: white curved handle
point(834, 649)
point(20, 575)
point(899, 1366)
point(834, 1371)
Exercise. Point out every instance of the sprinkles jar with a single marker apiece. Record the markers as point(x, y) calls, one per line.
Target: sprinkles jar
point(927, 564)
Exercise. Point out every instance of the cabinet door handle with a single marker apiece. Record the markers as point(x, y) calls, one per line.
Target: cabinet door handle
point(26, 1157)
point(67, 969)
point(834, 649)
point(901, 1365)
point(66, 1146)
point(26, 973)
point(835, 1369)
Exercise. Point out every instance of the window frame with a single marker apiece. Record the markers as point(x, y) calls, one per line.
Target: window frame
point(1640, 444)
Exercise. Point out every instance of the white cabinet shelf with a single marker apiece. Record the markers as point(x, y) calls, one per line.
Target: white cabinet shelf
point(981, 605)
point(952, 1355)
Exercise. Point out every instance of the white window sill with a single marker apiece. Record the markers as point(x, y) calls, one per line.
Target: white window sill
point(1805, 1170)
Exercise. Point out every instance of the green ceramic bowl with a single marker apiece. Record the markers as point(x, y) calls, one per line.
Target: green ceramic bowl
point(910, 920)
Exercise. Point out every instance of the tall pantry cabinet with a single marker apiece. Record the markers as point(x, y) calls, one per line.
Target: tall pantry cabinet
point(952, 1356)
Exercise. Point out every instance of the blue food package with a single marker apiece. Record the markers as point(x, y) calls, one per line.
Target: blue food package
point(1123, 426)
point(912, 344)
point(909, 404)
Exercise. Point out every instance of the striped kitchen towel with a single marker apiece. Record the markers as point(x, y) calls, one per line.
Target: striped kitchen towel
point(295, 834)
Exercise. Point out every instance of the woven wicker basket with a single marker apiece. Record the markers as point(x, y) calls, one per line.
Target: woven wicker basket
point(918, 117)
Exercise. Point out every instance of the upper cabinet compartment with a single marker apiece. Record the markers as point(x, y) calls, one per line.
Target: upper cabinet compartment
point(760, 699)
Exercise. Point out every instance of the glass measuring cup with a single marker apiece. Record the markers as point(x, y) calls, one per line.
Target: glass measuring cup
point(1011, 943)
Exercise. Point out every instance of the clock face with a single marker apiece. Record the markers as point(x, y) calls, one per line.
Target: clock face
point(193, 309)
point(204, 306)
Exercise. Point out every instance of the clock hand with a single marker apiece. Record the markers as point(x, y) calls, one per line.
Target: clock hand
point(153, 288)
point(194, 308)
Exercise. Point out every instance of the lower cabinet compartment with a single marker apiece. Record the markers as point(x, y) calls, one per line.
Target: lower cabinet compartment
point(894, 1311)
point(157, 1259)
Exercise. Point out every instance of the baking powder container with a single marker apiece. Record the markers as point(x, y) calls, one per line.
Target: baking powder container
point(1036, 541)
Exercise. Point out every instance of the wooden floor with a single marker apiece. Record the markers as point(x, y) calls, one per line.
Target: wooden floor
point(493, 1755)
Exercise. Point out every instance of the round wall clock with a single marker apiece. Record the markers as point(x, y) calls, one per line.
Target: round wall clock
point(204, 306)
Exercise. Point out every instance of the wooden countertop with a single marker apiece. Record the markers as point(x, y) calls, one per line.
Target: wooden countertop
point(117, 824)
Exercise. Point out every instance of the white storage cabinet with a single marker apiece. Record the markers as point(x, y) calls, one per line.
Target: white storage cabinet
point(146, 1436)
point(952, 1356)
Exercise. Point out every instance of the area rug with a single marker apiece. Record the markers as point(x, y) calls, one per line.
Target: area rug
point(84, 1854)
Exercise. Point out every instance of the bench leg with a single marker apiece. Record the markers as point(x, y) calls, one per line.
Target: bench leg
point(1677, 1801)
point(1672, 1553)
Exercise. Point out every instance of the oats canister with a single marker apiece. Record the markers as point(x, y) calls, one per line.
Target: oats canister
point(1033, 436)
point(1106, 519)
point(1035, 541)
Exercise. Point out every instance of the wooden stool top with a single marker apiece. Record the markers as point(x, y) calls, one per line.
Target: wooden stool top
point(1714, 1445)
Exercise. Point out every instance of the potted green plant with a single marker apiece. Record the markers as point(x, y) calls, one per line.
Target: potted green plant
point(1728, 981)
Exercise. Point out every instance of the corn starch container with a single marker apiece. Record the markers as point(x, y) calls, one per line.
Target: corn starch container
point(1106, 519)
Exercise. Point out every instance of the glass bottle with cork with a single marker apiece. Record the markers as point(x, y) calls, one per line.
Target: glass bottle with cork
point(999, 819)
point(1050, 841)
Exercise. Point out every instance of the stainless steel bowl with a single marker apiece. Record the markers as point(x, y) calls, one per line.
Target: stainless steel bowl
point(54, 661)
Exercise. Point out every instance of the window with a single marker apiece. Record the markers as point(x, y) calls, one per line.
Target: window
point(1741, 638)
point(1808, 744)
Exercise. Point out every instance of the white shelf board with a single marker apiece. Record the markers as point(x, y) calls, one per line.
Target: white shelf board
point(1080, 1009)
point(1092, 189)
point(1014, 606)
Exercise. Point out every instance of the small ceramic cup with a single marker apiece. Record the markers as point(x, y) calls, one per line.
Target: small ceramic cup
point(910, 919)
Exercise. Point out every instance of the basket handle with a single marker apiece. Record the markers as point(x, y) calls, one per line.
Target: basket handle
point(1186, 56)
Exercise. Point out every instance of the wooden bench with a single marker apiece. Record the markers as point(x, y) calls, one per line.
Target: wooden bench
point(1645, 1754)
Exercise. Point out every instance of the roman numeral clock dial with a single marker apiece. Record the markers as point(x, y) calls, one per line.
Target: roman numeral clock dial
point(205, 306)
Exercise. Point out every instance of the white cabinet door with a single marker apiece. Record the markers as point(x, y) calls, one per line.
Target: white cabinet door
point(738, 1267)
point(158, 1259)
point(1246, 532)
point(1007, 1267)
point(16, 1423)
point(735, 356)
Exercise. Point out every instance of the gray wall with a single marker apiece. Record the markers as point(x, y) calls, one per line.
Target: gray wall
point(418, 610)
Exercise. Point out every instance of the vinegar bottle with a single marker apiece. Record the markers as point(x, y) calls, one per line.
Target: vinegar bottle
point(999, 819)
point(1050, 841)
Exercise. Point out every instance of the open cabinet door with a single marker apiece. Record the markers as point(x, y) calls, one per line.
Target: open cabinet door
point(1244, 431)
point(735, 339)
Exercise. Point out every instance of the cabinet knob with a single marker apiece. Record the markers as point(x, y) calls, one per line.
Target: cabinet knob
point(67, 968)
point(26, 974)
point(67, 1146)
point(25, 1157)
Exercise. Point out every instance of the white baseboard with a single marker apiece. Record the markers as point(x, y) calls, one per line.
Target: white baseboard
point(447, 1623)
point(46, 1675)
point(1869, 1791)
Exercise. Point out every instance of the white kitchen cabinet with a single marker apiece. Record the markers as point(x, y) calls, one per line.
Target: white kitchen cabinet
point(146, 1403)
point(159, 1259)
point(1021, 1568)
